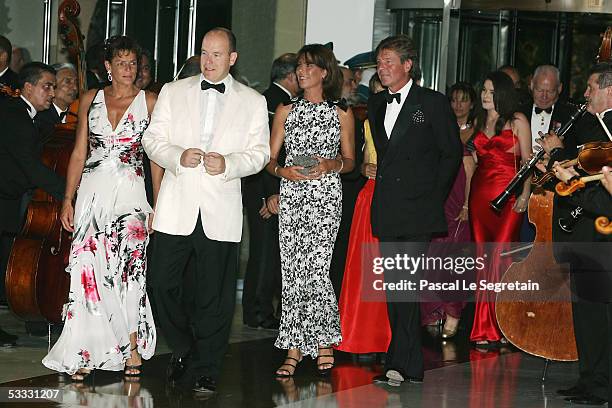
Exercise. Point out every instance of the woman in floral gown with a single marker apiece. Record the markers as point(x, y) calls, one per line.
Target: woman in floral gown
point(108, 321)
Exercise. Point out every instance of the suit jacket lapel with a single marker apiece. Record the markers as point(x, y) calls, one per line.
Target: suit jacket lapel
point(193, 96)
point(404, 120)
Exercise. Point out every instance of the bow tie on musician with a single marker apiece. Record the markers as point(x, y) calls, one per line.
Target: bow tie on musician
point(540, 110)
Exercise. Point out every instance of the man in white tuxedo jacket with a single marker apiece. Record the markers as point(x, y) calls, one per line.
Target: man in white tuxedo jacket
point(206, 132)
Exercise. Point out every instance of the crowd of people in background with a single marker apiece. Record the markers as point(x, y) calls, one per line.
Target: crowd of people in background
point(324, 162)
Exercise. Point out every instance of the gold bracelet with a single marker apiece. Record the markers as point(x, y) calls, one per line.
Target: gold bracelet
point(276, 171)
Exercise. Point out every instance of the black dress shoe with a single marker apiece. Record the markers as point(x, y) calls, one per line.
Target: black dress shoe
point(571, 392)
point(176, 368)
point(205, 385)
point(586, 400)
point(7, 340)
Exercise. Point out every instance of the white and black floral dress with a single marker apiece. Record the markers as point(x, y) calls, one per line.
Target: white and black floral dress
point(107, 299)
point(309, 218)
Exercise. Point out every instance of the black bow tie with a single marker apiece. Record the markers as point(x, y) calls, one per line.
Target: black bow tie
point(390, 97)
point(62, 115)
point(217, 87)
point(539, 110)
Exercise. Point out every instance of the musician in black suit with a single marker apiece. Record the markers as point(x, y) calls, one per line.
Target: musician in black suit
point(545, 113)
point(20, 150)
point(419, 152)
point(592, 315)
point(262, 277)
point(66, 92)
point(7, 76)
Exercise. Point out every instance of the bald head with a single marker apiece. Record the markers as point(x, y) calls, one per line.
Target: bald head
point(218, 54)
point(545, 86)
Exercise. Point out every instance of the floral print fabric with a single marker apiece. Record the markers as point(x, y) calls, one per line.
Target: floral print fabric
point(309, 219)
point(107, 299)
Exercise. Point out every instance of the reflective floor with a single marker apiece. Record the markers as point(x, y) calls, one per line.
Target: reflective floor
point(456, 376)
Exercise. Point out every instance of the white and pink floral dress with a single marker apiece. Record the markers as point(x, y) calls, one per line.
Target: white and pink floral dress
point(107, 266)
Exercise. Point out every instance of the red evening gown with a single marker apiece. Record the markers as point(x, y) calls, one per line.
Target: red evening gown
point(364, 324)
point(497, 165)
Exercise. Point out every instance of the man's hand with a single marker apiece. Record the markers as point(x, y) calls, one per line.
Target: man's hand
point(369, 170)
point(549, 141)
point(263, 211)
point(564, 174)
point(191, 157)
point(273, 205)
point(607, 180)
point(214, 163)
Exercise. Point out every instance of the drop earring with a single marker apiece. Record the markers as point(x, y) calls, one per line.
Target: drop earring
point(110, 76)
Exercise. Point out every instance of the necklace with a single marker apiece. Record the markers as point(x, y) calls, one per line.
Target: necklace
point(465, 126)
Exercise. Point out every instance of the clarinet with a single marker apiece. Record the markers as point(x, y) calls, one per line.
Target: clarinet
point(498, 203)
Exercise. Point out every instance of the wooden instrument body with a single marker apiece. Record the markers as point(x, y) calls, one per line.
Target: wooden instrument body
point(539, 323)
point(36, 282)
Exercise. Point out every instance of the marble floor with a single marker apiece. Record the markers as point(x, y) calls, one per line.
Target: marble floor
point(456, 376)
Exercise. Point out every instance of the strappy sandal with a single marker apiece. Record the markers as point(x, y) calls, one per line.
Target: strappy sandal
point(128, 368)
point(285, 363)
point(80, 376)
point(323, 372)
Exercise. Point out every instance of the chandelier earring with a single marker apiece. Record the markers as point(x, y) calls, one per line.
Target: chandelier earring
point(110, 76)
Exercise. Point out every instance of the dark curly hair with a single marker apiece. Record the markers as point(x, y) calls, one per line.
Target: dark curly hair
point(324, 58)
point(119, 44)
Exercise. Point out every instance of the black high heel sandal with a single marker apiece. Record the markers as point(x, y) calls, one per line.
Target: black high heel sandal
point(323, 372)
point(80, 376)
point(128, 368)
point(285, 363)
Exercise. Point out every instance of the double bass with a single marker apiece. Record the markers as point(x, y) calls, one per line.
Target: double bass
point(36, 282)
point(542, 324)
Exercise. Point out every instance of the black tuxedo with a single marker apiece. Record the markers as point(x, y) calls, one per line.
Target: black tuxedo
point(22, 170)
point(592, 287)
point(20, 165)
point(46, 121)
point(560, 115)
point(262, 277)
point(417, 165)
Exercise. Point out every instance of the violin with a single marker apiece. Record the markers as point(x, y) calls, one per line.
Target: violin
point(36, 282)
point(591, 158)
point(8, 91)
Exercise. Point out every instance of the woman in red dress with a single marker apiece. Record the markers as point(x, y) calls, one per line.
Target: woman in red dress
point(364, 322)
point(463, 102)
point(502, 141)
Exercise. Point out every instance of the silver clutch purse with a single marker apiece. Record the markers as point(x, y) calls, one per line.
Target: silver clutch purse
point(307, 162)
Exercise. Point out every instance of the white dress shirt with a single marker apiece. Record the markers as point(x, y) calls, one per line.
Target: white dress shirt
point(540, 122)
point(394, 108)
point(211, 103)
point(59, 113)
point(31, 109)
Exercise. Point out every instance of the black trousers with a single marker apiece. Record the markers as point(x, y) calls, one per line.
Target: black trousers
point(592, 330)
point(262, 276)
point(404, 353)
point(204, 328)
